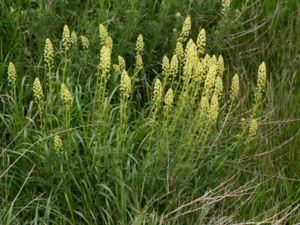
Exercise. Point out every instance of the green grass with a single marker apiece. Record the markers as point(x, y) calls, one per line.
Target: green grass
point(125, 163)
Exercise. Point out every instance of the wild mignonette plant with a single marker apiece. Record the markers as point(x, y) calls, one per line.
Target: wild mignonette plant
point(110, 144)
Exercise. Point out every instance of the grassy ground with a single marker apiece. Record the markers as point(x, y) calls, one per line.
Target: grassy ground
point(132, 160)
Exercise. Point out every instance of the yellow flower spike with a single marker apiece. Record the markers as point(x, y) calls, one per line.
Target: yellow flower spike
point(109, 42)
point(84, 42)
point(157, 92)
point(38, 91)
point(261, 77)
point(235, 87)
point(66, 96)
point(221, 67)
point(179, 51)
point(122, 63)
point(169, 100)
point(214, 109)
point(165, 67)
point(105, 39)
point(139, 45)
point(201, 41)
point(11, 74)
point(174, 66)
point(204, 104)
point(58, 144)
point(49, 56)
point(185, 29)
point(73, 38)
point(125, 85)
point(191, 57)
point(210, 79)
point(213, 61)
point(105, 61)
point(218, 86)
point(138, 63)
point(38, 97)
point(253, 128)
point(199, 71)
point(66, 39)
point(206, 63)
point(103, 34)
point(204, 108)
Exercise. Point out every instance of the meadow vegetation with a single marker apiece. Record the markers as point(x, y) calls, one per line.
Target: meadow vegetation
point(149, 112)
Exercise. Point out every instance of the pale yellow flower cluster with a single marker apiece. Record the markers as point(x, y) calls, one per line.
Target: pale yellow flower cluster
point(38, 92)
point(218, 86)
point(84, 42)
point(66, 96)
point(204, 107)
point(49, 57)
point(179, 51)
point(125, 85)
point(191, 59)
point(105, 61)
point(139, 45)
point(174, 66)
point(235, 87)
point(11, 74)
point(210, 78)
point(165, 67)
point(253, 128)
point(169, 100)
point(201, 41)
point(73, 38)
point(185, 29)
point(221, 67)
point(139, 51)
point(157, 92)
point(261, 77)
point(139, 63)
point(122, 63)
point(66, 38)
point(58, 144)
point(105, 38)
point(214, 109)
